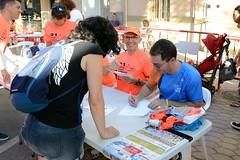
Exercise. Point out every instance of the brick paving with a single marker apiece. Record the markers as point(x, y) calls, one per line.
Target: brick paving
point(223, 142)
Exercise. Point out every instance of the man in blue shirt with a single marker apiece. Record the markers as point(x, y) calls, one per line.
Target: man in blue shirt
point(179, 83)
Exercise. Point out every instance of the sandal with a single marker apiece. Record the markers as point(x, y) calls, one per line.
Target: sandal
point(235, 104)
point(235, 125)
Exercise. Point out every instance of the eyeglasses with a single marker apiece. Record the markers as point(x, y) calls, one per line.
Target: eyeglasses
point(58, 9)
point(130, 37)
point(159, 66)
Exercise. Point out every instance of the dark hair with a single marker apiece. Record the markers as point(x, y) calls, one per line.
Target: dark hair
point(145, 21)
point(4, 2)
point(165, 48)
point(98, 30)
point(59, 12)
point(237, 8)
point(69, 4)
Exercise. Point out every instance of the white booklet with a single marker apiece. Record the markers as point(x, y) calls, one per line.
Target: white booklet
point(121, 74)
point(141, 109)
point(144, 144)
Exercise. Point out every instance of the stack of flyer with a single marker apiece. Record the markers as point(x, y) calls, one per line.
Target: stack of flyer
point(145, 144)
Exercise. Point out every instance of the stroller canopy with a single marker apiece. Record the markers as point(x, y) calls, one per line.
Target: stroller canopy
point(213, 43)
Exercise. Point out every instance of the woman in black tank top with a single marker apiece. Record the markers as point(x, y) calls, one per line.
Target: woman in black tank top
point(53, 131)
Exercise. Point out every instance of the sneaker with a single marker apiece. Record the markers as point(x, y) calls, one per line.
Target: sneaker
point(235, 125)
point(3, 137)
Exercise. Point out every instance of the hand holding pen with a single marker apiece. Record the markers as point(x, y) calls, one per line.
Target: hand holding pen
point(159, 104)
point(133, 100)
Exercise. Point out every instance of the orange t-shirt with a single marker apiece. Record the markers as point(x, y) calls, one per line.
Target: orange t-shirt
point(54, 33)
point(109, 79)
point(4, 30)
point(138, 65)
point(154, 78)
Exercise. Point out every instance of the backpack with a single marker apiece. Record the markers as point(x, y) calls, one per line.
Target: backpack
point(29, 88)
point(228, 70)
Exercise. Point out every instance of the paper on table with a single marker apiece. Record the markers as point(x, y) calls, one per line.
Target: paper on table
point(141, 109)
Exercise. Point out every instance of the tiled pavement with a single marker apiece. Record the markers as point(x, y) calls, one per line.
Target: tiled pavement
point(223, 142)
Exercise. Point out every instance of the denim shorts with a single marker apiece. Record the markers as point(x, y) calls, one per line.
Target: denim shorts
point(53, 143)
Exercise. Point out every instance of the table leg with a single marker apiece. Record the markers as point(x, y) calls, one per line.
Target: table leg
point(186, 153)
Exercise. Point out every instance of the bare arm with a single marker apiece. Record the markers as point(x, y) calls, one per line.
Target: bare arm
point(3, 72)
point(145, 91)
point(2, 46)
point(162, 104)
point(190, 104)
point(94, 78)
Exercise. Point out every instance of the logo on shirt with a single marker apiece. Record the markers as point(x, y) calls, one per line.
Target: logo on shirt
point(61, 69)
point(177, 87)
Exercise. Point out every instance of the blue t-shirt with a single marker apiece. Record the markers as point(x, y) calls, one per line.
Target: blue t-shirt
point(182, 86)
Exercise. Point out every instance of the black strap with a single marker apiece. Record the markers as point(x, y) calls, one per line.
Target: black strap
point(68, 91)
point(183, 135)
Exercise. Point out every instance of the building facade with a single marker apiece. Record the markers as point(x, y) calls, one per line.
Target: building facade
point(198, 15)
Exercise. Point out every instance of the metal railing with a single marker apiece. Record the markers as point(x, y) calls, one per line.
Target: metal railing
point(191, 36)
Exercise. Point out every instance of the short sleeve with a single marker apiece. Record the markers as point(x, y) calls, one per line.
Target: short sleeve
point(194, 89)
point(153, 78)
point(148, 67)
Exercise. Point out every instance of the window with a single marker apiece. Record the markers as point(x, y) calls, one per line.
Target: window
point(160, 9)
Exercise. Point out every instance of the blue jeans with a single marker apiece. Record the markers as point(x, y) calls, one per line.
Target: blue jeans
point(53, 143)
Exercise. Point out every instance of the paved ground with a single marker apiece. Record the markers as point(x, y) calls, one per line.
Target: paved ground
point(223, 142)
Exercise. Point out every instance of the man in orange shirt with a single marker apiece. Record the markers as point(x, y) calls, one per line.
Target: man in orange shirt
point(9, 10)
point(135, 64)
point(59, 27)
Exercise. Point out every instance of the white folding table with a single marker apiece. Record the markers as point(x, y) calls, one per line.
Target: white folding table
point(129, 124)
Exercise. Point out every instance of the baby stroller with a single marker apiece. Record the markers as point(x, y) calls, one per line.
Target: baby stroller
point(209, 66)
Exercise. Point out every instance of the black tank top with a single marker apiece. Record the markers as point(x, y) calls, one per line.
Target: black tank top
point(65, 112)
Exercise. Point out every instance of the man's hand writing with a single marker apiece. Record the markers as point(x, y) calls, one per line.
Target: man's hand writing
point(133, 101)
point(158, 104)
point(113, 66)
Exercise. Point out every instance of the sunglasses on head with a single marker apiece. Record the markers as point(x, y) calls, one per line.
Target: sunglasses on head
point(58, 9)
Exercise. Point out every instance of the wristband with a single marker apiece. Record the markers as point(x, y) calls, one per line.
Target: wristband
point(167, 102)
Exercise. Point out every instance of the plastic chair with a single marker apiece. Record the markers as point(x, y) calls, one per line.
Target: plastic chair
point(207, 97)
